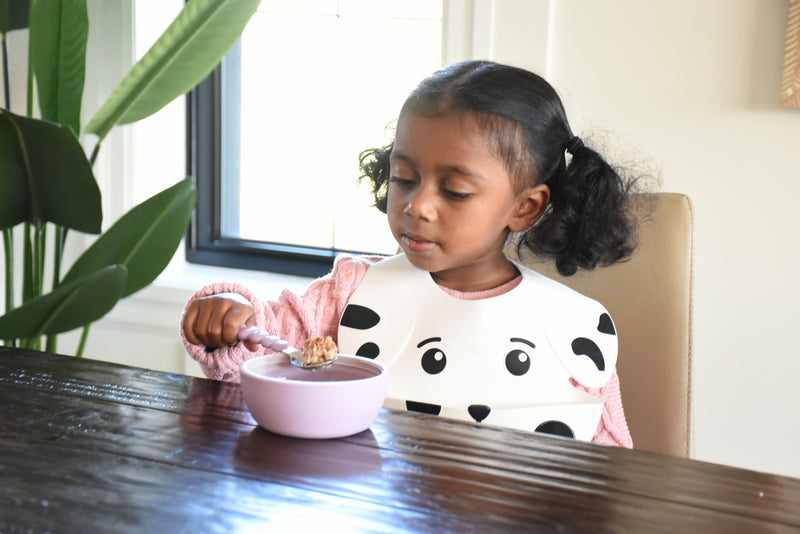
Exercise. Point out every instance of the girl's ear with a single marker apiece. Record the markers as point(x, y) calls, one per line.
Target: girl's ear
point(531, 204)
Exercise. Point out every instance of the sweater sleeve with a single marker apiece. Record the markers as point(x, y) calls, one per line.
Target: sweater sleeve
point(613, 428)
point(291, 317)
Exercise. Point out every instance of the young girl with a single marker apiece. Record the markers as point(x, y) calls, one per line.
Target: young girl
point(482, 152)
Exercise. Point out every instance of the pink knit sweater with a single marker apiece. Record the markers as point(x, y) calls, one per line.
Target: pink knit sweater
point(317, 313)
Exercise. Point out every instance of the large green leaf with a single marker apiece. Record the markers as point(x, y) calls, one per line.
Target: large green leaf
point(186, 52)
point(45, 176)
point(144, 239)
point(58, 34)
point(68, 307)
point(13, 15)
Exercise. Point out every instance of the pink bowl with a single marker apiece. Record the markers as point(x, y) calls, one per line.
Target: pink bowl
point(333, 402)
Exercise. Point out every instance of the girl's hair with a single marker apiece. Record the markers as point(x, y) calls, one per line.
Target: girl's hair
point(587, 222)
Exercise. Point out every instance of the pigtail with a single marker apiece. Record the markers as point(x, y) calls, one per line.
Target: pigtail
point(375, 170)
point(587, 223)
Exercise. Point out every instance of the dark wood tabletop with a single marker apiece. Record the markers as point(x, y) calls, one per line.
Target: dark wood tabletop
point(90, 446)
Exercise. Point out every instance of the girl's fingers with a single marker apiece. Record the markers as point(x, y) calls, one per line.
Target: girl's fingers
point(188, 330)
point(232, 321)
point(215, 321)
point(190, 325)
point(204, 327)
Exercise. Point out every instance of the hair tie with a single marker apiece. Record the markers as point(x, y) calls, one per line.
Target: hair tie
point(575, 144)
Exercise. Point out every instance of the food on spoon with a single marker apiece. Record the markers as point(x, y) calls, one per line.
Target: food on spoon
point(319, 350)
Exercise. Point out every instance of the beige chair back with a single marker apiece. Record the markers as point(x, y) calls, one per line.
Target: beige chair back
point(650, 299)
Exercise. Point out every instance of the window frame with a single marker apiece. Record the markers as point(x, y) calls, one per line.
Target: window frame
point(205, 243)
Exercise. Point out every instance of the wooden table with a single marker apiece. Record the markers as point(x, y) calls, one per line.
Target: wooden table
point(88, 446)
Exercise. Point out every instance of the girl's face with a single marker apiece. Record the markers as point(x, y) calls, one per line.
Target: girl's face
point(451, 204)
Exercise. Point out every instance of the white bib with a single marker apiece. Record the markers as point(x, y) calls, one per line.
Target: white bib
point(504, 360)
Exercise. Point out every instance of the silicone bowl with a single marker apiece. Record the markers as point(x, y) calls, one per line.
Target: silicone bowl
point(333, 402)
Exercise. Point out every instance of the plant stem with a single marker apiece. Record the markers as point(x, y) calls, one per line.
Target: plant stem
point(29, 102)
point(52, 343)
point(60, 240)
point(8, 248)
point(30, 255)
point(33, 266)
point(58, 253)
point(41, 243)
point(8, 236)
point(39, 240)
point(36, 261)
point(27, 264)
point(6, 81)
point(94, 154)
point(84, 337)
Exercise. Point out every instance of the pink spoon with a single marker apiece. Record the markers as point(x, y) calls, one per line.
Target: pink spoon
point(296, 356)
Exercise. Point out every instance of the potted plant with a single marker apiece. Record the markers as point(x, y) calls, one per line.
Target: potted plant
point(47, 186)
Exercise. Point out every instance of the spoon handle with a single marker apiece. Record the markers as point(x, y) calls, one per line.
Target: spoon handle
point(296, 357)
point(253, 335)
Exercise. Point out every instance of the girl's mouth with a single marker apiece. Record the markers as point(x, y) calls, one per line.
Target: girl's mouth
point(417, 244)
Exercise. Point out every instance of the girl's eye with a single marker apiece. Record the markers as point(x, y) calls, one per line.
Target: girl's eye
point(455, 195)
point(401, 181)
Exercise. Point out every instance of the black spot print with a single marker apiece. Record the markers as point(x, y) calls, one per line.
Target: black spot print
point(606, 325)
point(556, 428)
point(582, 346)
point(434, 361)
point(359, 317)
point(518, 362)
point(423, 407)
point(479, 412)
point(368, 350)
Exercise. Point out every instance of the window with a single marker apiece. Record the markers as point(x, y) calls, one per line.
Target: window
point(275, 132)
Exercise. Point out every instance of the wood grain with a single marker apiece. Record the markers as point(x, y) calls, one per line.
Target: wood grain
point(96, 447)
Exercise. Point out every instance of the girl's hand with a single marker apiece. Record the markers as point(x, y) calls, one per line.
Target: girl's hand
point(215, 320)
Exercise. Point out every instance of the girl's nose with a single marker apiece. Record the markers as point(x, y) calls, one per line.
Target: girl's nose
point(420, 204)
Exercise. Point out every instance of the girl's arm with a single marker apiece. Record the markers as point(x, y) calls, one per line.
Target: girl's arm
point(292, 317)
point(613, 428)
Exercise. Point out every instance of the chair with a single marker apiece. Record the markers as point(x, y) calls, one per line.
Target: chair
point(650, 299)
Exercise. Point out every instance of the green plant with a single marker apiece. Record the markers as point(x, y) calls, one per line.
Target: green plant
point(47, 186)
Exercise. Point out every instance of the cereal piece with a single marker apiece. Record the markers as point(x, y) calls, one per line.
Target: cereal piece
point(319, 350)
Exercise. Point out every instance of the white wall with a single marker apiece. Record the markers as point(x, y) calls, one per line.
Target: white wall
point(695, 86)
point(688, 89)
